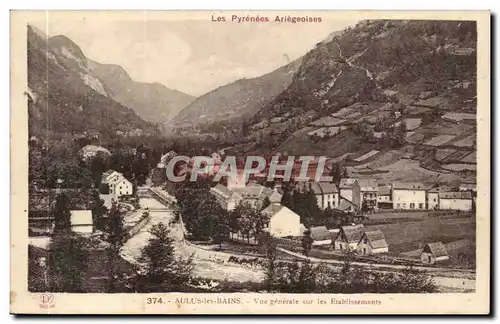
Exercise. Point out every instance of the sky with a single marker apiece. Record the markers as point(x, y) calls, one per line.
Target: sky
point(190, 55)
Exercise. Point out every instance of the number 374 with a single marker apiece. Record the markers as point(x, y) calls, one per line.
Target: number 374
point(154, 300)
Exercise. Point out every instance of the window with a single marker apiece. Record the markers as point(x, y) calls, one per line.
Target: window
point(434, 199)
point(412, 205)
point(398, 206)
point(421, 206)
point(365, 241)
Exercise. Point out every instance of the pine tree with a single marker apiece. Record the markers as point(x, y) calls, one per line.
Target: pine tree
point(67, 263)
point(62, 215)
point(116, 236)
point(163, 271)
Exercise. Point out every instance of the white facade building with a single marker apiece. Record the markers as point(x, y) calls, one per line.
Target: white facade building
point(81, 221)
point(455, 200)
point(408, 196)
point(282, 221)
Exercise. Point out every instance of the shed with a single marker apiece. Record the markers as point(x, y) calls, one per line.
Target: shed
point(81, 221)
point(348, 237)
point(434, 252)
point(321, 235)
point(373, 242)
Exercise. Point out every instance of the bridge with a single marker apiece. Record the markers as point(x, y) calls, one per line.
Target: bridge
point(164, 198)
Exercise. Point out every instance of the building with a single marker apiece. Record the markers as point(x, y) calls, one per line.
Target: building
point(373, 242)
point(81, 221)
point(467, 187)
point(326, 194)
point(460, 200)
point(434, 252)
point(346, 206)
point(227, 198)
point(384, 197)
point(120, 187)
point(110, 175)
point(255, 194)
point(408, 195)
point(368, 189)
point(433, 199)
point(350, 190)
point(282, 221)
point(348, 237)
point(321, 235)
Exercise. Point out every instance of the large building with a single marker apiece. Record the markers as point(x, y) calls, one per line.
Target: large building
point(227, 198)
point(118, 185)
point(461, 200)
point(408, 195)
point(282, 221)
point(384, 197)
point(326, 194)
point(350, 190)
point(253, 194)
point(368, 189)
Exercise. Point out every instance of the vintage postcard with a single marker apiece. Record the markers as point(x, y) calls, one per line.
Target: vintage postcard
point(250, 162)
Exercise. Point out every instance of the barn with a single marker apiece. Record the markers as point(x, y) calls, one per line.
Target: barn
point(348, 237)
point(373, 242)
point(434, 252)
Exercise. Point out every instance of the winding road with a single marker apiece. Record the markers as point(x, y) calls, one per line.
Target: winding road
point(449, 281)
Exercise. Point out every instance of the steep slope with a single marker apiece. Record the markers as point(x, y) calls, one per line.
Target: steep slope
point(235, 100)
point(379, 54)
point(152, 101)
point(378, 95)
point(67, 98)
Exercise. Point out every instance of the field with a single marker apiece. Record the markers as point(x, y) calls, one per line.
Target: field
point(404, 237)
point(459, 167)
point(439, 140)
point(466, 141)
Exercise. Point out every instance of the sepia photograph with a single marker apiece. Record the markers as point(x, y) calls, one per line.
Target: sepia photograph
point(250, 159)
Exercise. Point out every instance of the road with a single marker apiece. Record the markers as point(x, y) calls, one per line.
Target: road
point(131, 251)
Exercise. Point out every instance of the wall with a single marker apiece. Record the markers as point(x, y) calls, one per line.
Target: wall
point(284, 223)
point(346, 193)
point(402, 199)
point(455, 204)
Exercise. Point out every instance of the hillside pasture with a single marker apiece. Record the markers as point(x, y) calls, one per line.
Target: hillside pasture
point(471, 158)
point(410, 170)
point(467, 141)
point(439, 140)
point(441, 154)
point(459, 167)
point(405, 237)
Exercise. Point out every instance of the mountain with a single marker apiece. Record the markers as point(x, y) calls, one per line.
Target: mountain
point(67, 98)
point(389, 98)
point(152, 101)
point(236, 100)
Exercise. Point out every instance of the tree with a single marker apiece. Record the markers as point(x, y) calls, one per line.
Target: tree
point(97, 168)
point(307, 242)
point(67, 263)
point(162, 270)
point(336, 174)
point(221, 229)
point(269, 246)
point(98, 212)
point(286, 199)
point(62, 215)
point(116, 236)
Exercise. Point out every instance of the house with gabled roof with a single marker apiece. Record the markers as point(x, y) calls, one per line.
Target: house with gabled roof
point(326, 194)
point(348, 237)
point(434, 252)
point(282, 221)
point(373, 242)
